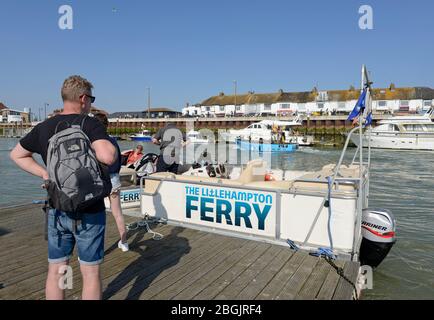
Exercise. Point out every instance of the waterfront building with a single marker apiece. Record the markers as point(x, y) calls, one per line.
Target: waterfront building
point(322, 102)
point(8, 115)
point(153, 113)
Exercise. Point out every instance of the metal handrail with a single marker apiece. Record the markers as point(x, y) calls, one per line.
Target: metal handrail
point(336, 171)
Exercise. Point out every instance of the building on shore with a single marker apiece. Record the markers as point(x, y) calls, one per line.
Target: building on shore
point(153, 113)
point(93, 110)
point(385, 101)
point(8, 115)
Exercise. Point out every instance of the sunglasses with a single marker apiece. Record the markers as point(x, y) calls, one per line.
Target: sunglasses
point(92, 98)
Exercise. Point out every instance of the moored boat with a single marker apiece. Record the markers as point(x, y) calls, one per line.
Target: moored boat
point(266, 147)
point(194, 137)
point(270, 131)
point(402, 132)
point(144, 135)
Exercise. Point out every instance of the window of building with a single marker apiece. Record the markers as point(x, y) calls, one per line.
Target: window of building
point(322, 96)
point(382, 103)
point(320, 105)
point(404, 103)
point(301, 107)
point(222, 108)
point(285, 106)
point(238, 108)
point(267, 107)
point(341, 105)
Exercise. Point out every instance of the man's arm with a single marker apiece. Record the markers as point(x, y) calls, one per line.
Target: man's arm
point(24, 159)
point(105, 151)
point(157, 137)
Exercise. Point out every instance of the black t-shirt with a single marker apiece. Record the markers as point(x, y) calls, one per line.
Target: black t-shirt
point(36, 141)
point(115, 167)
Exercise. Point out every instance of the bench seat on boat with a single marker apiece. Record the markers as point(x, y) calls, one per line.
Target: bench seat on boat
point(317, 180)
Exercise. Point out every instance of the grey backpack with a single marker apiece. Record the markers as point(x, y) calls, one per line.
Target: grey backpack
point(76, 179)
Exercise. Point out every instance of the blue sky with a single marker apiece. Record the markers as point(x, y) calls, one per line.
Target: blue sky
point(189, 50)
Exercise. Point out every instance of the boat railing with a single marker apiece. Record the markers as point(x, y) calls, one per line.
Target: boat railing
point(360, 181)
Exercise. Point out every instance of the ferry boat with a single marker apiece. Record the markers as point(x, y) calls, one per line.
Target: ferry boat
point(327, 208)
point(144, 135)
point(324, 212)
point(401, 132)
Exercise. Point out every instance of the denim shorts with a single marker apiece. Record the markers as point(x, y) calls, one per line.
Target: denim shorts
point(64, 233)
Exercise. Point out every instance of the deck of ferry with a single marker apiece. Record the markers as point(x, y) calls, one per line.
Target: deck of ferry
point(185, 264)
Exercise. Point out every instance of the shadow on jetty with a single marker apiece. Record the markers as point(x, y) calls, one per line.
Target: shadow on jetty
point(154, 258)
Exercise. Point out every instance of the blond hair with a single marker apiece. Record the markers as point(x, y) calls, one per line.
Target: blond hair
point(74, 87)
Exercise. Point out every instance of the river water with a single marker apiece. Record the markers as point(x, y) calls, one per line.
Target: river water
point(402, 181)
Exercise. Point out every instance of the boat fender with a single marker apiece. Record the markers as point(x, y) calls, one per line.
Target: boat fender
point(269, 177)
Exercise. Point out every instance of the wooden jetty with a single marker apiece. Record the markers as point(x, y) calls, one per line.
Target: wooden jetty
point(185, 264)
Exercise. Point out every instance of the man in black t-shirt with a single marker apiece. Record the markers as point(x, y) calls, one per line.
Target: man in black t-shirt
point(62, 236)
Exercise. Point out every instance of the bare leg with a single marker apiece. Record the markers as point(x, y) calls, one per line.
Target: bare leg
point(115, 204)
point(91, 282)
point(53, 289)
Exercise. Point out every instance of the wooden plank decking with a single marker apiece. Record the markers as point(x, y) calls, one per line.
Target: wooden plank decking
point(185, 264)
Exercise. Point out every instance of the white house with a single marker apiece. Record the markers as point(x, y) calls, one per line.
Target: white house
point(191, 111)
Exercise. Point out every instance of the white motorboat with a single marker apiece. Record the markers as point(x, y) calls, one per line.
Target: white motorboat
point(267, 131)
point(195, 137)
point(143, 135)
point(401, 132)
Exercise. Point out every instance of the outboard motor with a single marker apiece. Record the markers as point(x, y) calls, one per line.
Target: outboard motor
point(378, 231)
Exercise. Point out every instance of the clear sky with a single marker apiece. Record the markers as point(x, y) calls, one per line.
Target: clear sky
point(189, 50)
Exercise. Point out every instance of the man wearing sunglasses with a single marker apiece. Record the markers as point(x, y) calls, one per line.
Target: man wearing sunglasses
point(62, 236)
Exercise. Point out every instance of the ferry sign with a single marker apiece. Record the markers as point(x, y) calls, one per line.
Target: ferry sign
point(130, 196)
point(231, 209)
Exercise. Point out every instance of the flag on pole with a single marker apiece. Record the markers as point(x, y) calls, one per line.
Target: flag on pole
point(360, 106)
point(368, 119)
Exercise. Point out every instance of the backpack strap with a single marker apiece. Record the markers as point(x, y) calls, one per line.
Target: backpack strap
point(82, 122)
point(57, 126)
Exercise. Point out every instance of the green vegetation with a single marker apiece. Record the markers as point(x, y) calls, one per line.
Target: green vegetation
point(121, 131)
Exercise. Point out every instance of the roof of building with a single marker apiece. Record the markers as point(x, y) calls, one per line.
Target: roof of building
point(2, 106)
point(93, 110)
point(390, 93)
point(160, 110)
point(140, 114)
